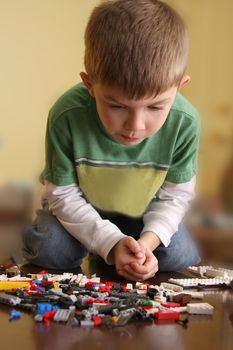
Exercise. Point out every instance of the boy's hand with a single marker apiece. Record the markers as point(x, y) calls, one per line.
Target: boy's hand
point(128, 251)
point(138, 272)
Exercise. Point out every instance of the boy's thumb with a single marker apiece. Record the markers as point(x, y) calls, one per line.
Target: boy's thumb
point(134, 247)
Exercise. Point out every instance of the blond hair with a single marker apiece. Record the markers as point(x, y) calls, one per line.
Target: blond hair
point(139, 46)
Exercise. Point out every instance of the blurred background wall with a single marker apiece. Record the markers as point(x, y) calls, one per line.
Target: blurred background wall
point(210, 28)
point(42, 47)
point(42, 54)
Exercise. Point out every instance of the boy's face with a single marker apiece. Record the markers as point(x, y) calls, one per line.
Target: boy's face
point(130, 122)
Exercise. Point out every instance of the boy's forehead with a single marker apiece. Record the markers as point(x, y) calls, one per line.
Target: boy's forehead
point(115, 94)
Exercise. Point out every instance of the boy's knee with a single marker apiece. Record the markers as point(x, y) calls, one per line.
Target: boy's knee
point(46, 243)
point(181, 252)
point(170, 262)
point(31, 240)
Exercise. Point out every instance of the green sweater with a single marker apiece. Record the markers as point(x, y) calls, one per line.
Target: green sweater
point(115, 177)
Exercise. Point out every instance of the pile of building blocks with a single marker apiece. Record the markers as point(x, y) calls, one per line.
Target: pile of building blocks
point(88, 302)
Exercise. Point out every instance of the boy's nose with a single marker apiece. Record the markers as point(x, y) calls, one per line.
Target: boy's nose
point(135, 123)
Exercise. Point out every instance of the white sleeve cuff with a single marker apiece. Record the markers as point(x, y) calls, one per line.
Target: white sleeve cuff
point(164, 215)
point(160, 228)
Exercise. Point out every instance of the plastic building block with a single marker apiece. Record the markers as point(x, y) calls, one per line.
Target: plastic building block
point(199, 270)
point(8, 285)
point(141, 291)
point(104, 289)
point(48, 316)
point(170, 304)
point(146, 303)
point(201, 282)
point(107, 309)
point(125, 295)
point(89, 313)
point(123, 318)
point(152, 311)
point(9, 299)
point(211, 271)
point(87, 323)
point(97, 320)
point(231, 284)
point(109, 283)
point(224, 273)
point(167, 315)
point(228, 272)
point(59, 292)
point(42, 308)
point(78, 278)
point(182, 299)
point(13, 271)
point(216, 273)
point(171, 286)
point(43, 272)
point(27, 307)
point(72, 297)
point(62, 315)
point(194, 294)
point(179, 309)
point(14, 315)
point(116, 287)
point(141, 314)
point(200, 308)
point(95, 279)
point(152, 292)
point(142, 286)
point(160, 297)
point(129, 286)
point(38, 318)
point(123, 288)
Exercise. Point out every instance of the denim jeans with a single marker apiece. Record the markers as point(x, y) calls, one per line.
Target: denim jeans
point(46, 243)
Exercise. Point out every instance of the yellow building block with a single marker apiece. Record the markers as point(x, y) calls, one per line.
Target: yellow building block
point(8, 285)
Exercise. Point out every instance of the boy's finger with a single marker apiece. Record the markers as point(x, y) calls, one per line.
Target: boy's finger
point(138, 276)
point(144, 269)
point(135, 268)
point(126, 275)
point(133, 245)
point(139, 255)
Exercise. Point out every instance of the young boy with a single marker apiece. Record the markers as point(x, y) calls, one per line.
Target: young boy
point(121, 149)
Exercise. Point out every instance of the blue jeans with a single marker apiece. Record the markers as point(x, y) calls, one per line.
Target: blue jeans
point(46, 243)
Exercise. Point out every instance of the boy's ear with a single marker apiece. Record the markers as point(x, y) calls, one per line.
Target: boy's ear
point(185, 80)
point(87, 83)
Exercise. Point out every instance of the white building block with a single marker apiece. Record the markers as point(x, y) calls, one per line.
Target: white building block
point(171, 286)
point(204, 282)
point(180, 309)
point(216, 273)
point(199, 270)
point(129, 286)
point(200, 308)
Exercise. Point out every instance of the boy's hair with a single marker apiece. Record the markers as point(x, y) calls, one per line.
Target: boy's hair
point(139, 46)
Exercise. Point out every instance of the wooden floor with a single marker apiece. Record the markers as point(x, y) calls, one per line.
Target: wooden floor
point(203, 332)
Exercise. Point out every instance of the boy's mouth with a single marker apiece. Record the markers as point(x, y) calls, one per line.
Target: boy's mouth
point(130, 139)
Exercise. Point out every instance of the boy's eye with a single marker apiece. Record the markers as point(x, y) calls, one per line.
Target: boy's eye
point(156, 108)
point(116, 106)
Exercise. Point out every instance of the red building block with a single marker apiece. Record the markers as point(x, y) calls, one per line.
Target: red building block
point(167, 315)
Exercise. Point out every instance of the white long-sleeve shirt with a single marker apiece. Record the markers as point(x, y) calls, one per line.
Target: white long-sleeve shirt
point(99, 235)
